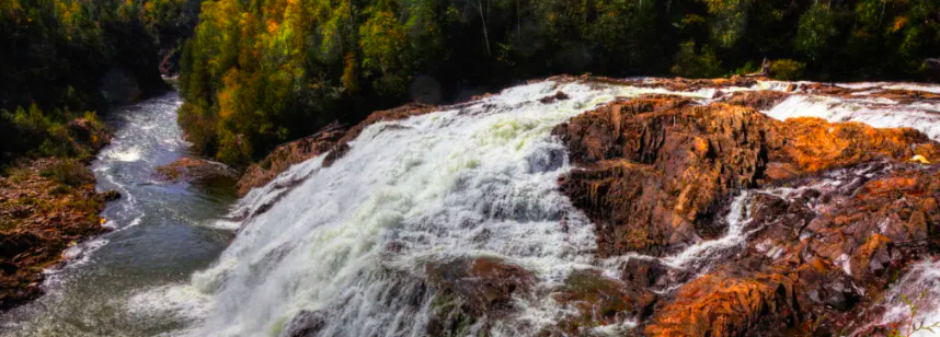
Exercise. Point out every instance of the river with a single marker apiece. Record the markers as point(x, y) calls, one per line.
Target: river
point(159, 237)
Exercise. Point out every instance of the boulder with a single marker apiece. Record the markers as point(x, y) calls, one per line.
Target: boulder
point(485, 284)
point(305, 324)
point(599, 300)
point(189, 169)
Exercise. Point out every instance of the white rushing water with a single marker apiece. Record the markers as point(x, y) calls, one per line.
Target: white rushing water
point(920, 287)
point(479, 180)
point(476, 181)
point(880, 112)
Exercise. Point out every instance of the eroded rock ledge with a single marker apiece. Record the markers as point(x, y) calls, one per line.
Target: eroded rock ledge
point(655, 171)
point(189, 169)
point(46, 206)
point(332, 138)
point(835, 210)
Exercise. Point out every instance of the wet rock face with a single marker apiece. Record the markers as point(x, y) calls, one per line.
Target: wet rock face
point(654, 172)
point(822, 253)
point(471, 288)
point(188, 169)
point(836, 210)
point(305, 324)
point(726, 305)
point(760, 100)
point(485, 284)
point(810, 145)
point(653, 168)
point(598, 300)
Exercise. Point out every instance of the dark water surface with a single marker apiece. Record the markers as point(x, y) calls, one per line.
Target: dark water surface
point(161, 235)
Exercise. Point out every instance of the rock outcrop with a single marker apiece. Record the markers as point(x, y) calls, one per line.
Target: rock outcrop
point(189, 169)
point(655, 171)
point(835, 210)
point(830, 215)
point(286, 155)
point(46, 206)
point(818, 259)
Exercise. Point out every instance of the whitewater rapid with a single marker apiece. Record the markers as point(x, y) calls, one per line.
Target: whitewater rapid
point(478, 180)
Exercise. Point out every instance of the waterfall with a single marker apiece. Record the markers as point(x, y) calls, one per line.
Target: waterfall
point(352, 241)
point(480, 180)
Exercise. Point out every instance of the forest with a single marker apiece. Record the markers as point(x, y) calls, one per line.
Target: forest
point(67, 59)
point(257, 73)
point(261, 72)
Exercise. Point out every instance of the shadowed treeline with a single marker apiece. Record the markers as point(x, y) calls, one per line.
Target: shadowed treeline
point(259, 72)
point(61, 58)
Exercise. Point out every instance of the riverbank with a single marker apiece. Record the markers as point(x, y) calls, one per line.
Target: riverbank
point(159, 233)
point(46, 206)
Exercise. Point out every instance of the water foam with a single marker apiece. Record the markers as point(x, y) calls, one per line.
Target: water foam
point(920, 116)
point(130, 154)
point(473, 181)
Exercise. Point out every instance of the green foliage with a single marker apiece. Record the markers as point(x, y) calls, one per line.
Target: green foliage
point(748, 68)
point(61, 52)
point(35, 133)
point(729, 20)
point(787, 70)
point(257, 73)
point(68, 172)
point(817, 28)
point(696, 63)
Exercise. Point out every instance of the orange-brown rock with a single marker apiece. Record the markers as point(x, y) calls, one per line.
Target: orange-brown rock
point(760, 100)
point(654, 172)
point(672, 84)
point(288, 154)
point(717, 305)
point(812, 144)
point(598, 300)
point(46, 205)
point(833, 250)
point(196, 170)
point(652, 168)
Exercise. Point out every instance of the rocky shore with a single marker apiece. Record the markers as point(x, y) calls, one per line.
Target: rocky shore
point(46, 206)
